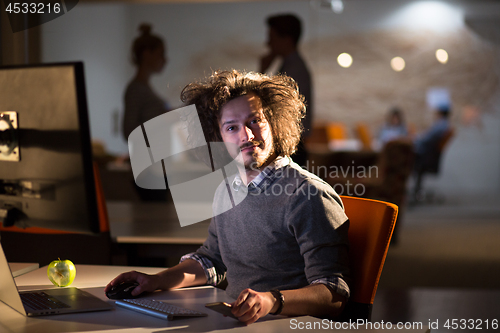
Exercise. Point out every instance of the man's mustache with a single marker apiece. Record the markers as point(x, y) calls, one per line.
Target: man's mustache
point(250, 144)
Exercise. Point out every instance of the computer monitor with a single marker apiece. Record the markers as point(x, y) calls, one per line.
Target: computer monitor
point(46, 170)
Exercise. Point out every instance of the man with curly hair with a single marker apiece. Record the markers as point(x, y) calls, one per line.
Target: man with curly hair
point(284, 248)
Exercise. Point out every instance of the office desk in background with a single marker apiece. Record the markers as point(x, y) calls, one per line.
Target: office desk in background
point(152, 222)
point(93, 279)
point(150, 234)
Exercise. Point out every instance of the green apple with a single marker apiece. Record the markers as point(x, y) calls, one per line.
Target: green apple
point(61, 272)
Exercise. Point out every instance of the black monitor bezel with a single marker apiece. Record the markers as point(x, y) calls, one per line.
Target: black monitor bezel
point(85, 138)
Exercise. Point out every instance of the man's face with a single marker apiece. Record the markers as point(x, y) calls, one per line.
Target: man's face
point(275, 42)
point(244, 125)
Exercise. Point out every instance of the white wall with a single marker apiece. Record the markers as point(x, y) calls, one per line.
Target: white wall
point(201, 37)
point(471, 164)
point(97, 35)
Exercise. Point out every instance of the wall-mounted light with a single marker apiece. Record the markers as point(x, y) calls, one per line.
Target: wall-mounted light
point(336, 6)
point(442, 56)
point(344, 60)
point(429, 15)
point(398, 64)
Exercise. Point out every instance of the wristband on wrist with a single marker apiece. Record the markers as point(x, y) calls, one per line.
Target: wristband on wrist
point(280, 298)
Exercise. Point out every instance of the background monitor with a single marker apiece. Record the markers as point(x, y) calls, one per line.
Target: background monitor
point(46, 171)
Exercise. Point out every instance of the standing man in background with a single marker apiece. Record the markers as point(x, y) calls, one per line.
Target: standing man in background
point(284, 33)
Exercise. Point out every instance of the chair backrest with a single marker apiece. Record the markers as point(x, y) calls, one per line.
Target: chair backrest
point(446, 138)
point(371, 225)
point(318, 135)
point(432, 160)
point(394, 166)
point(364, 136)
point(336, 131)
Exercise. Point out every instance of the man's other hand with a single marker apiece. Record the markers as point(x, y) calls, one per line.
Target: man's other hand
point(252, 305)
point(266, 61)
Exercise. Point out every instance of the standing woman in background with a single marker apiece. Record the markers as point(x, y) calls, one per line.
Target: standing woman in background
point(141, 102)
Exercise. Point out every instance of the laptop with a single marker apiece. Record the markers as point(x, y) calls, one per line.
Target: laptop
point(45, 302)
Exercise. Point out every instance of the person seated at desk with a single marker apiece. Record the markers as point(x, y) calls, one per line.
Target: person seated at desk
point(284, 248)
point(431, 138)
point(427, 146)
point(394, 128)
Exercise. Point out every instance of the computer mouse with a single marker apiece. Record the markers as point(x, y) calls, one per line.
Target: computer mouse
point(122, 291)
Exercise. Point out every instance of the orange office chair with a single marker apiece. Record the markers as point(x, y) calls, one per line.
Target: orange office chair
point(364, 136)
point(35, 244)
point(370, 231)
point(336, 131)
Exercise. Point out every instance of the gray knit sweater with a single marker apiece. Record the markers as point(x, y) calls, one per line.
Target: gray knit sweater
point(288, 232)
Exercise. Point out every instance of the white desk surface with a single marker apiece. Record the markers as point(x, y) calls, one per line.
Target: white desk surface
point(93, 279)
point(20, 268)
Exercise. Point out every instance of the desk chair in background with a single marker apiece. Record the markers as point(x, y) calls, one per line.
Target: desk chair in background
point(429, 164)
point(371, 225)
point(386, 176)
point(336, 131)
point(364, 135)
point(43, 245)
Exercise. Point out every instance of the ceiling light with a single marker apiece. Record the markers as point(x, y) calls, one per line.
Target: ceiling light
point(398, 64)
point(442, 56)
point(344, 60)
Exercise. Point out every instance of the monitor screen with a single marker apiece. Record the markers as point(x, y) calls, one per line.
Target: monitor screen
point(46, 173)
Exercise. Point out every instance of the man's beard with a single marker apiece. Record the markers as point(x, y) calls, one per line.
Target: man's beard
point(258, 161)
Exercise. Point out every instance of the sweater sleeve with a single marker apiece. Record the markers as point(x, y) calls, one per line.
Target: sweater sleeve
point(213, 278)
point(319, 224)
point(209, 257)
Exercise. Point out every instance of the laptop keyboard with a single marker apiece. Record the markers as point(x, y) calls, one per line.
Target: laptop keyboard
point(158, 308)
point(41, 301)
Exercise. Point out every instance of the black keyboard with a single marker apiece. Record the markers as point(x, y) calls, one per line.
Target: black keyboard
point(41, 301)
point(158, 308)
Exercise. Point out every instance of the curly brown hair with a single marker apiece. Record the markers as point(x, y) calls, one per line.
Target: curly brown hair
point(282, 104)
